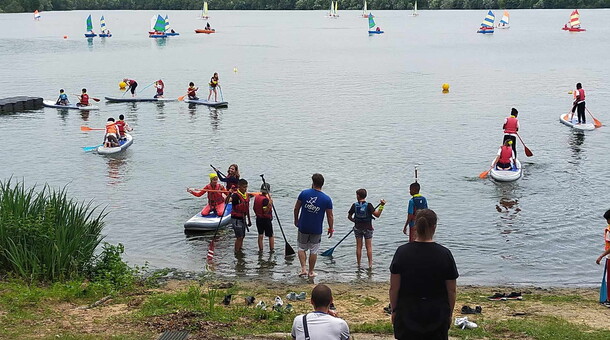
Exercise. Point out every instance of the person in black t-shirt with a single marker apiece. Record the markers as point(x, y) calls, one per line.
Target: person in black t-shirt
point(362, 213)
point(423, 284)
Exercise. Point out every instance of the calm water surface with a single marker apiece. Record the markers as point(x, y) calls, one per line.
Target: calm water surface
point(313, 94)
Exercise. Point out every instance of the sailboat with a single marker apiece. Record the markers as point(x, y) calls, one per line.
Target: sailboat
point(105, 32)
point(157, 27)
point(364, 11)
point(414, 14)
point(168, 30)
point(204, 11)
point(90, 33)
point(574, 24)
point(332, 13)
point(36, 15)
point(372, 25)
point(504, 22)
point(487, 26)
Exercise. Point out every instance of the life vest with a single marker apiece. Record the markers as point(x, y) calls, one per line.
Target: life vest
point(84, 99)
point(361, 212)
point(111, 128)
point(121, 126)
point(241, 209)
point(258, 207)
point(213, 82)
point(191, 91)
point(579, 95)
point(419, 202)
point(511, 125)
point(63, 96)
point(214, 198)
point(506, 153)
point(607, 237)
point(160, 87)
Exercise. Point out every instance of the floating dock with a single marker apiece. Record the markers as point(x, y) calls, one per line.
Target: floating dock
point(20, 103)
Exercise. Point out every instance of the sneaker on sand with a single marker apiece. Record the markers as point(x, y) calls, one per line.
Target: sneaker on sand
point(292, 296)
point(478, 309)
point(227, 300)
point(288, 308)
point(278, 302)
point(514, 296)
point(468, 310)
point(497, 297)
point(463, 323)
point(301, 296)
point(388, 309)
point(261, 305)
point(249, 300)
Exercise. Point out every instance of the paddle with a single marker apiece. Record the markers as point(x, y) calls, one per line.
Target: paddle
point(222, 99)
point(218, 171)
point(598, 124)
point(86, 128)
point(329, 252)
point(181, 98)
point(485, 173)
point(91, 148)
point(603, 290)
point(528, 152)
point(287, 248)
point(210, 255)
point(96, 99)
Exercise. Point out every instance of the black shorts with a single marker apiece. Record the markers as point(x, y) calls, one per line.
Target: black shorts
point(263, 225)
point(133, 87)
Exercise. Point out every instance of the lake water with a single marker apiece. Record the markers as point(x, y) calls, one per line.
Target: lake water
point(313, 94)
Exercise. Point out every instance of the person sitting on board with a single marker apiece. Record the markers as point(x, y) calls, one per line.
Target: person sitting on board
point(240, 212)
point(159, 86)
point(172, 31)
point(579, 103)
point(232, 177)
point(263, 209)
point(511, 127)
point(362, 214)
point(378, 29)
point(213, 84)
point(83, 99)
point(110, 138)
point(131, 85)
point(122, 126)
point(417, 202)
point(506, 156)
point(62, 99)
point(216, 199)
point(192, 91)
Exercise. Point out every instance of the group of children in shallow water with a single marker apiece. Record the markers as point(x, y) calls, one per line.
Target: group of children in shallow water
point(83, 98)
point(115, 132)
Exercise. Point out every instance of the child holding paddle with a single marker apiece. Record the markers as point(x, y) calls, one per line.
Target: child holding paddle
point(216, 199)
point(605, 293)
point(416, 203)
point(362, 213)
point(122, 126)
point(240, 212)
point(160, 87)
point(232, 177)
point(213, 84)
point(191, 91)
point(511, 127)
point(263, 208)
point(131, 86)
point(83, 99)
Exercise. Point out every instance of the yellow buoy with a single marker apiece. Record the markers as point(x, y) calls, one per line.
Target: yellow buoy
point(122, 85)
point(570, 92)
point(445, 87)
point(235, 69)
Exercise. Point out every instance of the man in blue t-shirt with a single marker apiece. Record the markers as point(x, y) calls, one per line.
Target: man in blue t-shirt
point(416, 202)
point(309, 211)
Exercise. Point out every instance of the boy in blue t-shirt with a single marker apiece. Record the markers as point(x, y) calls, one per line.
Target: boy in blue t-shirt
point(416, 202)
point(63, 98)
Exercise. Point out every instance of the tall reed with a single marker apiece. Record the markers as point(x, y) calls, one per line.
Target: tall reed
point(46, 236)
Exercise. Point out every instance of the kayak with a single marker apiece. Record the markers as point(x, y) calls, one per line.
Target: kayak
point(201, 30)
point(132, 99)
point(124, 144)
point(50, 103)
point(572, 121)
point(375, 32)
point(209, 222)
point(207, 103)
point(509, 175)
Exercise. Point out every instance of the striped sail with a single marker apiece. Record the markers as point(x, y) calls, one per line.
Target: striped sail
point(575, 19)
point(371, 21)
point(167, 28)
point(159, 24)
point(103, 24)
point(89, 24)
point(489, 20)
point(505, 18)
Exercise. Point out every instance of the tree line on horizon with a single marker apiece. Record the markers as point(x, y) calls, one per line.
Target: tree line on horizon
point(17, 6)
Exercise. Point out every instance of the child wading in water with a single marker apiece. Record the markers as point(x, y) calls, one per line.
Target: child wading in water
point(362, 213)
point(607, 264)
point(216, 200)
point(416, 202)
point(240, 212)
point(263, 208)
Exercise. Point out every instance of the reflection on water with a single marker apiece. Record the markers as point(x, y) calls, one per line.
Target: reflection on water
point(215, 118)
point(161, 42)
point(508, 207)
point(241, 265)
point(575, 142)
point(90, 43)
point(84, 115)
point(116, 169)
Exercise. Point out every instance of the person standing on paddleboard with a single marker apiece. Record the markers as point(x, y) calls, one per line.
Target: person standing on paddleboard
point(579, 104)
point(131, 86)
point(160, 87)
point(309, 211)
point(416, 203)
point(263, 208)
point(213, 84)
point(362, 213)
point(511, 127)
point(607, 264)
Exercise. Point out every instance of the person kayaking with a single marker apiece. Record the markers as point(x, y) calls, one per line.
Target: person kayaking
point(83, 98)
point(216, 200)
point(110, 138)
point(506, 156)
point(213, 84)
point(159, 86)
point(192, 91)
point(122, 126)
point(579, 103)
point(511, 126)
point(131, 86)
point(63, 98)
point(232, 177)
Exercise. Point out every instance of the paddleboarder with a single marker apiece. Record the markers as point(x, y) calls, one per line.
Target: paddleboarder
point(579, 104)
point(160, 87)
point(309, 210)
point(191, 91)
point(511, 127)
point(213, 84)
point(506, 156)
point(263, 209)
point(232, 177)
point(63, 98)
point(131, 86)
point(111, 135)
point(362, 213)
point(216, 200)
point(416, 203)
point(122, 126)
point(607, 264)
point(83, 98)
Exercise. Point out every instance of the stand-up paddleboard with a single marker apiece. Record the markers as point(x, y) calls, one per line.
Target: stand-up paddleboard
point(133, 99)
point(124, 144)
point(571, 120)
point(508, 175)
point(51, 103)
point(207, 103)
point(209, 222)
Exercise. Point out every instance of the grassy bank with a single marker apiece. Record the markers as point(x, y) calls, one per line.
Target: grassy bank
point(69, 311)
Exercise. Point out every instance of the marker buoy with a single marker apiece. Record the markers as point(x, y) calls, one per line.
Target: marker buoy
point(65, 37)
point(235, 69)
point(122, 85)
point(570, 92)
point(445, 87)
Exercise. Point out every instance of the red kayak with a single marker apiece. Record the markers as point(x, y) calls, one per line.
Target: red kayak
point(205, 31)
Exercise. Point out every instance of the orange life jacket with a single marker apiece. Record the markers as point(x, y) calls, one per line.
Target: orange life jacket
point(111, 128)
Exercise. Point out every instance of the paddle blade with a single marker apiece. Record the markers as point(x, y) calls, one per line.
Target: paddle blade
point(597, 123)
point(289, 250)
point(96, 99)
point(181, 98)
point(86, 128)
point(90, 148)
point(528, 152)
point(328, 252)
point(210, 256)
point(484, 174)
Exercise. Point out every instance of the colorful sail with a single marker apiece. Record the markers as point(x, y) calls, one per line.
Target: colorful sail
point(489, 20)
point(505, 18)
point(89, 24)
point(159, 24)
point(575, 19)
point(167, 28)
point(371, 21)
point(103, 24)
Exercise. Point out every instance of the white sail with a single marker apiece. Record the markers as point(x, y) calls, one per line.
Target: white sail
point(153, 21)
point(414, 14)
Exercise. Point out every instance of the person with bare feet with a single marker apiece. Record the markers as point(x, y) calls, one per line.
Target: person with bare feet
point(309, 211)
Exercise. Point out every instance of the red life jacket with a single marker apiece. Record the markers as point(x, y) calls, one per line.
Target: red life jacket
point(258, 207)
point(84, 99)
point(121, 125)
point(241, 209)
point(511, 125)
point(580, 95)
point(506, 153)
point(215, 198)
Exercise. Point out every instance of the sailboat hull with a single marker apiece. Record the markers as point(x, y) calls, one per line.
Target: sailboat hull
point(172, 34)
point(503, 27)
point(375, 32)
point(573, 29)
point(205, 31)
point(105, 35)
point(90, 35)
point(485, 30)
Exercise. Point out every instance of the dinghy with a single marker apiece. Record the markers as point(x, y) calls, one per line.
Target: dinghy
point(487, 26)
point(508, 175)
point(571, 120)
point(123, 144)
point(504, 22)
point(53, 104)
point(90, 33)
point(209, 222)
point(157, 27)
point(202, 30)
point(414, 14)
point(168, 29)
point(372, 25)
point(574, 24)
point(105, 33)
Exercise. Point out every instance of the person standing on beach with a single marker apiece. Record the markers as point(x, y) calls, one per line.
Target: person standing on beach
point(362, 213)
point(416, 202)
point(511, 127)
point(607, 264)
point(309, 210)
point(323, 323)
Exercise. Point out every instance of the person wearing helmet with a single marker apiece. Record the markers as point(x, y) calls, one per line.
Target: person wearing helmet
point(216, 196)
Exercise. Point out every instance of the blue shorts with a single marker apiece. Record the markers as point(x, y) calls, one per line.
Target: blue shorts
point(239, 227)
point(366, 233)
point(212, 88)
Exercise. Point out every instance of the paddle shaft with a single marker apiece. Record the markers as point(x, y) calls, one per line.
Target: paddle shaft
point(96, 99)
point(597, 122)
point(220, 172)
point(528, 152)
point(222, 98)
point(289, 250)
point(330, 251)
